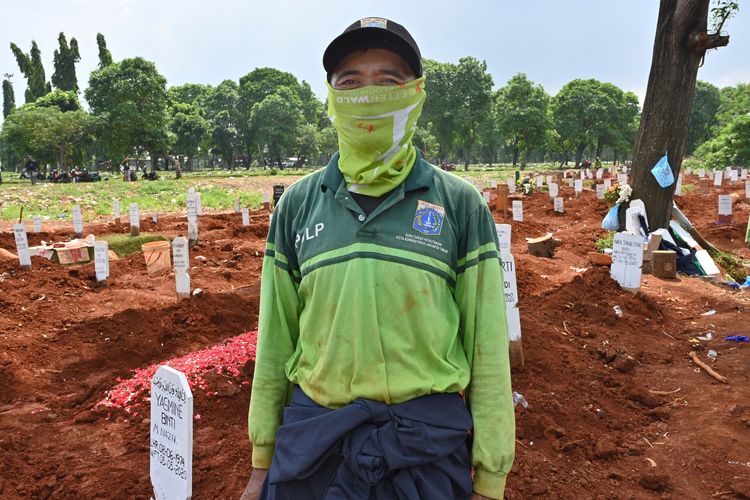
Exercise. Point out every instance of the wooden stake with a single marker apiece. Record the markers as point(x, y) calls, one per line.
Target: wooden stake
point(707, 368)
point(665, 264)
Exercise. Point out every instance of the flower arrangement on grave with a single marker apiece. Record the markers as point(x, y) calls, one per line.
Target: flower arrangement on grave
point(525, 185)
point(617, 194)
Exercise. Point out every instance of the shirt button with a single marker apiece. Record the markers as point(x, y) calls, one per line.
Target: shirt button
point(361, 218)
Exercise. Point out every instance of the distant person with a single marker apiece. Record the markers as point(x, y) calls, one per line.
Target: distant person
point(382, 365)
point(32, 167)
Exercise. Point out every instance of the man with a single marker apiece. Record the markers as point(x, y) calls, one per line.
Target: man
point(381, 305)
point(32, 166)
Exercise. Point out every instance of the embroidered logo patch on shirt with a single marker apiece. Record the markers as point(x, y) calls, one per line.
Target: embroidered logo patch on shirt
point(428, 218)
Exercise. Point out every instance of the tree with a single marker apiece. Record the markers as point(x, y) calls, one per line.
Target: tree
point(472, 95)
point(309, 140)
point(33, 70)
point(105, 56)
point(522, 115)
point(131, 98)
point(734, 101)
point(680, 45)
point(9, 98)
point(578, 114)
point(730, 147)
point(64, 100)
point(190, 130)
point(439, 107)
point(45, 131)
point(277, 120)
point(706, 103)
point(222, 113)
point(427, 143)
point(65, 59)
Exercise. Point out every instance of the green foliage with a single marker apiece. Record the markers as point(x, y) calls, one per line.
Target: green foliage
point(65, 59)
point(130, 97)
point(64, 100)
point(735, 267)
point(605, 241)
point(276, 122)
point(721, 12)
point(522, 116)
point(105, 56)
point(439, 108)
point(706, 101)
point(735, 101)
point(471, 96)
point(731, 146)
point(9, 98)
point(589, 112)
point(32, 68)
point(47, 132)
point(427, 143)
point(124, 244)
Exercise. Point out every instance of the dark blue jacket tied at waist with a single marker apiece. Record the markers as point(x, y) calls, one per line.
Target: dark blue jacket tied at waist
point(369, 450)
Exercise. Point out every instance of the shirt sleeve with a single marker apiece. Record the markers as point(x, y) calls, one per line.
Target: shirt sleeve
point(278, 331)
point(480, 297)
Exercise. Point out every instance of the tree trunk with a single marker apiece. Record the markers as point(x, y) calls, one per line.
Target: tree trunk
point(515, 155)
point(467, 158)
point(579, 155)
point(680, 44)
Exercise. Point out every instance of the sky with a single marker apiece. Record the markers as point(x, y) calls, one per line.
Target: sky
point(199, 41)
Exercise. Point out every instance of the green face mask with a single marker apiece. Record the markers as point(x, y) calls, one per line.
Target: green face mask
point(375, 125)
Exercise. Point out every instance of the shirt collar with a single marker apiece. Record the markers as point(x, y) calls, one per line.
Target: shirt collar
point(420, 176)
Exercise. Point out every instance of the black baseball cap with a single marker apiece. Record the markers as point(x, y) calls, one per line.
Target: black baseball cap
point(373, 33)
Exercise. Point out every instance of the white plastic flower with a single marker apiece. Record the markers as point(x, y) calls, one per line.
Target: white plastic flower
point(625, 192)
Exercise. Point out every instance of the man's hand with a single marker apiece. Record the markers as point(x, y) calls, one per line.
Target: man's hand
point(254, 485)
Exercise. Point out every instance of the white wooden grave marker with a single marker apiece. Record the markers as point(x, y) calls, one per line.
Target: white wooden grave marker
point(135, 220)
point(155, 218)
point(548, 180)
point(101, 260)
point(503, 236)
point(701, 173)
point(607, 184)
point(558, 205)
point(554, 189)
point(266, 200)
point(171, 435)
point(599, 174)
point(678, 186)
point(191, 203)
point(718, 178)
point(518, 210)
point(513, 318)
point(622, 179)
point(539, 181)
point(245, 217)
point(511, 186)
point(37, 224)
point(116, 206)
point(77, 221)
point(600, 191)
point(627, 259)
point(486, 196)
point(237, 206)
point(747, 190)
point(198, 204)
point(181, 263)
point(725, 209)
point(734, 176)
point(579, 186)
point(22, 245)
point(743, 174)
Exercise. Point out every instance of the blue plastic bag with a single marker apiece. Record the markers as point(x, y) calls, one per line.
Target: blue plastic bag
point(611, 221)
point(663, 172)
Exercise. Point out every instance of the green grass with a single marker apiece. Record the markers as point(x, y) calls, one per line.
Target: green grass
point(55, 201)
point(605, 241)
point(124, 244)
point(737, 268)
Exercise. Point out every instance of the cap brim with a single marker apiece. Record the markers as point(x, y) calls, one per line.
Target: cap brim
point(369, 38)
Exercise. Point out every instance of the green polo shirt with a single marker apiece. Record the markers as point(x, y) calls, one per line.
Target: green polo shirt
point(400, 303)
